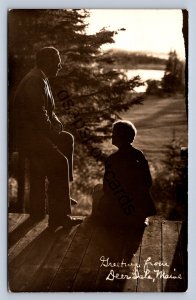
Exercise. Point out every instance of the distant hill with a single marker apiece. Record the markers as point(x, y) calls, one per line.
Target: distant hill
point(126, 60)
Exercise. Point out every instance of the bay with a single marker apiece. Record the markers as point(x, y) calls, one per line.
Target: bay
point(145, 74)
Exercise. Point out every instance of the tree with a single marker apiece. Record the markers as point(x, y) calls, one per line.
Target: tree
point(89, 97)
point(173, 79)
point(153, 87)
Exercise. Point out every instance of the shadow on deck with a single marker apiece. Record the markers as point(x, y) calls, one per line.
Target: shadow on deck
point(91, 258)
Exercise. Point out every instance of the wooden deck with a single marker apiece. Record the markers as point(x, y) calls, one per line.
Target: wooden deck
point(82, 258)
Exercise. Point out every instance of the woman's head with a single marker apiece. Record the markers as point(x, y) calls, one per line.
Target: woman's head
point(123, 133)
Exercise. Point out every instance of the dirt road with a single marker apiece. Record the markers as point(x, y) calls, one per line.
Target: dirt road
point(158, 122)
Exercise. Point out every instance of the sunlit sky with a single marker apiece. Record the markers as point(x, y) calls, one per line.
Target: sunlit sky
point(151, 30)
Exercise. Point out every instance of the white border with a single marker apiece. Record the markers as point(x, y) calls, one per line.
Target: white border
point(4, 6)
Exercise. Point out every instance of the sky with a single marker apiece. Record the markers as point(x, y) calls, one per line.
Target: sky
point(151, 30)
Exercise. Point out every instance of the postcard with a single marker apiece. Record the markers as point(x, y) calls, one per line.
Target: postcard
point(98, 150)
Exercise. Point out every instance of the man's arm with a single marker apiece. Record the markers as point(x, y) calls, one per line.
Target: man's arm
point(35, 102)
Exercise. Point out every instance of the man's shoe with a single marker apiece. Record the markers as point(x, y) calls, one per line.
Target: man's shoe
point(69, 222)
point(65, 223)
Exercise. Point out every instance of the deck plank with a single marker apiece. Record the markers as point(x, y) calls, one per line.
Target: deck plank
point(86, 275)
point(107, 242)
point(127, 251)
point(150, 249)
point(112, 249)
point(131, 284)
point(172, 256)
point(28, 238)
point(44, 272)
point(14, 220)
point(183, 249)
point(69, 260)
point(66, 274)
point(28, 254)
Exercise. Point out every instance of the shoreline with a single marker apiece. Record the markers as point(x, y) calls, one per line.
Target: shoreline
point(139, 67)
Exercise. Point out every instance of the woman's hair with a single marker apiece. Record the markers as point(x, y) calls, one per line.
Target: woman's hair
point(125, 130)
point(45, 55)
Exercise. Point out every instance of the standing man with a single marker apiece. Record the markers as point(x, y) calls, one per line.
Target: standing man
point(40, 135)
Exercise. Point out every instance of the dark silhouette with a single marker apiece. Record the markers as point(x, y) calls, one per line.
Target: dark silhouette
point(40, 134)
point(125, 199)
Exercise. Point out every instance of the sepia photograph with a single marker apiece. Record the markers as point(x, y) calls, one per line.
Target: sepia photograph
point(97, 150)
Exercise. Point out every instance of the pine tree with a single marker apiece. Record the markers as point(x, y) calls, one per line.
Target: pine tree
point(173, 80)
point(89, 96)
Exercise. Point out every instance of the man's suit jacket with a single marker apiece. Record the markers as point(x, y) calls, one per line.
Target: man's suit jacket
point(35, 119)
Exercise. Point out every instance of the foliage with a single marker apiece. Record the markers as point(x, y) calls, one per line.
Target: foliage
point(153, 87)
point(88, 96)
point(170, 186)
point(173, 80)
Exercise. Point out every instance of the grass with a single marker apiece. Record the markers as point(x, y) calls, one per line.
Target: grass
point(157, 121)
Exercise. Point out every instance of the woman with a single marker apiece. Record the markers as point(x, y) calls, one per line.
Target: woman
point(125, 199)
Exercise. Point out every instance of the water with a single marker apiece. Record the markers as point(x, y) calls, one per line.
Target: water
point(145, 75)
